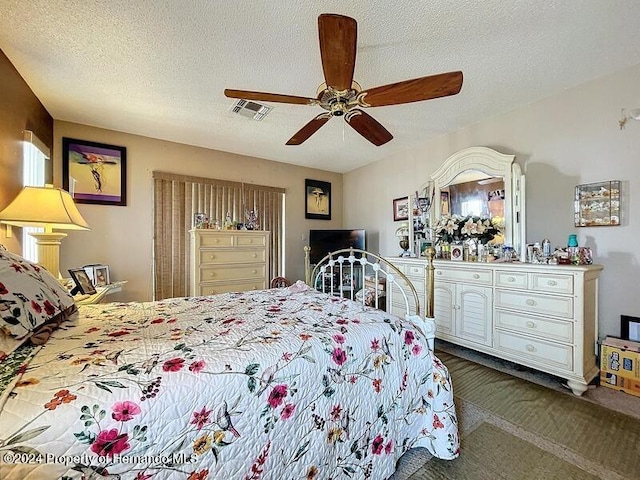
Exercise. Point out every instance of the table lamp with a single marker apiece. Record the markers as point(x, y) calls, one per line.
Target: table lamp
point(47, 207)
point(402, 232)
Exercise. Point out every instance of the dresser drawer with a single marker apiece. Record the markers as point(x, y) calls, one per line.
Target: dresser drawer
point(249, 272)
point(250, 240)
point(233, 256)
point(558, 330)
point(481, 277)
point(415, 271)
point(552, 283)
point(546, 353)
point(535, 303)
point(512, 279)
point(213, 289)
point(216, 240)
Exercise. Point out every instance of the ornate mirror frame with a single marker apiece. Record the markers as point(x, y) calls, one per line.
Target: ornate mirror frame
point(493, 164)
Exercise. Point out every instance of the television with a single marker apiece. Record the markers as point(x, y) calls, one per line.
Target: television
point(324, 241)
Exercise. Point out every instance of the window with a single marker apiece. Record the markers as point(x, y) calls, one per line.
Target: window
point(35, 155)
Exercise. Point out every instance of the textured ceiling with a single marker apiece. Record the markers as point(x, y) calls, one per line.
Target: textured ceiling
point(158, 68)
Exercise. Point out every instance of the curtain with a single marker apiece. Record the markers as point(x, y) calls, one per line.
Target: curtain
point(178, 197)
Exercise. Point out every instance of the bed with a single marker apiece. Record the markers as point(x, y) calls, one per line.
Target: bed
point(284, 383)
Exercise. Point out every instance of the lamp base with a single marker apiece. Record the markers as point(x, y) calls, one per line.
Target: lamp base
point(49, 250)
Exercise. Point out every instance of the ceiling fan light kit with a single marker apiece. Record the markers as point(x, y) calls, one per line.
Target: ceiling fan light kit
point(341, 96)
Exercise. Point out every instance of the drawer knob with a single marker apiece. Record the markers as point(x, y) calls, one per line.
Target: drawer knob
point(511, 279)
point(254, 271)
point(212, 274)
point(251, 240)
point(530, 324)
point(212, 257)
point(476, 276)
point(439, 272)
point(530, 348)
point(552, 283)
point(530, 302)
point(255, 255)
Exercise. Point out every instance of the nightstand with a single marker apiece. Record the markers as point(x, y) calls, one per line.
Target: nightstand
point(101, 292)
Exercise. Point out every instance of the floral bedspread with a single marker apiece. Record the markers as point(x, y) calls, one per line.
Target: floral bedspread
point(285, 383)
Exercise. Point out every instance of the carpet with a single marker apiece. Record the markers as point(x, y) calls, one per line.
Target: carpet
point(514, 429)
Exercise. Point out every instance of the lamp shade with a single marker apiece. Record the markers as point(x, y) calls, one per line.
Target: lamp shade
point(47, 207)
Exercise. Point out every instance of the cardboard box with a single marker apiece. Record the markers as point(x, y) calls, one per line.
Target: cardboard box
point(627, 385)
point(620, 361)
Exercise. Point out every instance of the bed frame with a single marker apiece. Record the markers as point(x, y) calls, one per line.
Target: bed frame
point(381, 273)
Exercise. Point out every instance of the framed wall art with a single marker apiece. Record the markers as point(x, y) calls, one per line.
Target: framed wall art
point(400, 209)
point(94, 172)
point(317, 200)
point(598, 204)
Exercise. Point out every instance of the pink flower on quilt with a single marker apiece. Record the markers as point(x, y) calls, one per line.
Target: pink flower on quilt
point(157, 320)
point(143, 476)
point(16, 267)
point(124, 411)
point(416, 349)
point(200, 418)
point(3, 289)
point(339, 338)
point(375, 344)
point(36, 306)
point(377, 445)
point(277, 395)
point(408, 337)
point(436, 421)
point(339, 356)
point(336, 411)
point(110, 443)
point(50, 309)
point(377, 385)
point(197, 366)
point(388, 448)
point(287, 411)
point(173, 365)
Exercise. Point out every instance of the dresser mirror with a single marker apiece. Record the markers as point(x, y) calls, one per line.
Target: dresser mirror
point(482, 182)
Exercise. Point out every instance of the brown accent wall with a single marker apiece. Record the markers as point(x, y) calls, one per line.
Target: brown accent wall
point(20, 110)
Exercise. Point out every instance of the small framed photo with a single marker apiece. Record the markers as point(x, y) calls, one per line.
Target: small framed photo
point(200, 220)
point(101, 276)
point(630, 328)
point(82, 281)
point(457, 252)
point(400, 209)
point(422, 247)
point(444, 203)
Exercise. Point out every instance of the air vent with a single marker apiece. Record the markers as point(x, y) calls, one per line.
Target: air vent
point(250, 109)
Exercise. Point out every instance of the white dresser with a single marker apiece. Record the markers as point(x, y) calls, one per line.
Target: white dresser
point(541, 316)
point(228, 261)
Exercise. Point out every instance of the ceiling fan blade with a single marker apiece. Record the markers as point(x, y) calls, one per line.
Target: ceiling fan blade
point(309, 129)
point(416, 90)
point(338, 38)
point(368, 127)
point(269, 97)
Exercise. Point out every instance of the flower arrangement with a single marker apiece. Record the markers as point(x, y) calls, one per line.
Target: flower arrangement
point(452, 228)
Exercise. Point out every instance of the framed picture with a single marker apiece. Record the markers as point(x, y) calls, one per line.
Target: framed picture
point(630, 328)
point(98, 274)
point(200, 220)
point(82, 281)
point(400, 209)
point(94, 172)
point(444, 203)
point(457, 252)
point(317, 199)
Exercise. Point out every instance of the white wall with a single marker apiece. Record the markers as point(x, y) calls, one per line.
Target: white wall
point(561, 141)
point(121, 237)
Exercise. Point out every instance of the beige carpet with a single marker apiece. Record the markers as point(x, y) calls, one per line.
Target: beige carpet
point(515, 429)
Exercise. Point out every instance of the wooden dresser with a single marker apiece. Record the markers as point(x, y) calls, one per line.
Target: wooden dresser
point(542, 316)
point(228, 261)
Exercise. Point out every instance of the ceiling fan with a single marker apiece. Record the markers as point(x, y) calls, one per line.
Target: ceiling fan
point(341, 96)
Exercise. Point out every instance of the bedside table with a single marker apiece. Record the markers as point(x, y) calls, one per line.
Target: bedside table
point(101, 292)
